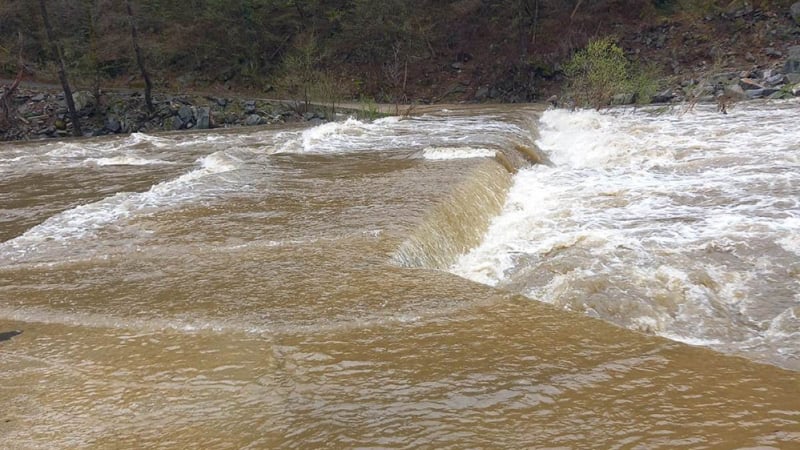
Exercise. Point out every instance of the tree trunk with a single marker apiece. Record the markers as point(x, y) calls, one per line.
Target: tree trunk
point(62, 72)
point(8, 111)
point(148, 85)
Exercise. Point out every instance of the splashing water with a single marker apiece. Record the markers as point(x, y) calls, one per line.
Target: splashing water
point(680, 225)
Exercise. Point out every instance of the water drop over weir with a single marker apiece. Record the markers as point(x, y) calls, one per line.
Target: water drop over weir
point(297, 288)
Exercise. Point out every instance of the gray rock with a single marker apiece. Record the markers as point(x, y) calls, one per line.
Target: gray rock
point(755, 93)
point(793, 78)
point(794, 11)
point(203, 118)
point(252, 119)
point(723, 78)
point(750, 84)
point(113, 125)
point(309, 115)
point(482, 94)
point(250, 107)
point(792, 64)
point(185, 114)
point(775, 80)
point(622, 99)
point(663, 96)
point(82, 99)
point(457, 65)
point(177, 123)
point(769, 51)
point(735, 91)
point(749, 57)
point(780, 95)
point(38, 98)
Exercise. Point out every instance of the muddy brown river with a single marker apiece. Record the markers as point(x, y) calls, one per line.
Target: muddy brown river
point(408, 283)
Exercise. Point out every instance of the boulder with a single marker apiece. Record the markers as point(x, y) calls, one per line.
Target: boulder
point(82, 99)
point(185, 114)
point(750, 84)
point(775, 80)
point(252, 119)
point(177, 123)
point(794, 11)
point(723, 78)
point(113, 125)
point(663, 96)
point(735, 91)
point(250, 107)
point(792, 64)
point(623, 99)
point(771, 52)
point(793, 78)
point(203, 118)
point(482, 94)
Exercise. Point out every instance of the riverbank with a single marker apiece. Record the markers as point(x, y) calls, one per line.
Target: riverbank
point(38, 111)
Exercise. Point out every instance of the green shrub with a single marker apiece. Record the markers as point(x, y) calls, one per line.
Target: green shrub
point(600, 72)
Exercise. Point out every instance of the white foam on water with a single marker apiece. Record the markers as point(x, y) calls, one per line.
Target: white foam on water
point(403, 134)
point(448, 153)
point(125, 161)
point(85, 220)
point(681, 224)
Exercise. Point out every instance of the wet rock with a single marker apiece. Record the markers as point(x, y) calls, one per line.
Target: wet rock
point(177, 123)
point(457, 65)
point(38, 98)
point(250, 107)
point(7, 335)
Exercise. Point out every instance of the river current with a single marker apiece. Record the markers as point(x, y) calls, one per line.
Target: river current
point(408, 283)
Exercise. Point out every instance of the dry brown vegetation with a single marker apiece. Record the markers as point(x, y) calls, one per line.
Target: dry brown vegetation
point(390, 50)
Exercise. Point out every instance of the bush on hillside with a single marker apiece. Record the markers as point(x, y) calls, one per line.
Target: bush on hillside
point(600, 72)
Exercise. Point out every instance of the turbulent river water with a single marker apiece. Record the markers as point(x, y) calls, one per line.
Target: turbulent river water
point(408, 283)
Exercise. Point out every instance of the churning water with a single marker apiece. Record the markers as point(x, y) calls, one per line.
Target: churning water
point(296, 287)
point(683, 225)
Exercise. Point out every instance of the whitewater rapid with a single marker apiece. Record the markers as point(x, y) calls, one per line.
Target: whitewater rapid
point(682, 224)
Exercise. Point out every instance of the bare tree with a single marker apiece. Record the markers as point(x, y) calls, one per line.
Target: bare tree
point(62, 72)
point(148, 85)
point(8, 111)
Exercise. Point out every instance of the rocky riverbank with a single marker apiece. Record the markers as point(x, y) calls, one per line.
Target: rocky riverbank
point(777, 82)
point(42, 113)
